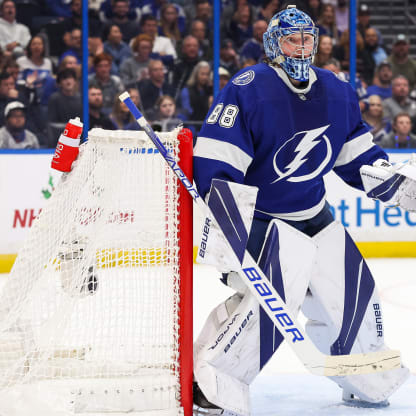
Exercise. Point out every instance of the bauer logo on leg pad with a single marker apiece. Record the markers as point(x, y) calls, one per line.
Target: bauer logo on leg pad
point(238, 332)
point(204, 238)
point(379, 319)
point(264, 290)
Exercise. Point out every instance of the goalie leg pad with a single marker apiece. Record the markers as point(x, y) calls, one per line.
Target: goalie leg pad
point(226, 353)
point(232, 204)
point(345, 312)
point(279, 260)
point(238, 339)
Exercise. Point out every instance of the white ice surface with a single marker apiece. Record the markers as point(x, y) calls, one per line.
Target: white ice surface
point(285, 388)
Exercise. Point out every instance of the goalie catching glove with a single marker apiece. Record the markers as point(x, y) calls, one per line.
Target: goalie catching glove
point(393, 185)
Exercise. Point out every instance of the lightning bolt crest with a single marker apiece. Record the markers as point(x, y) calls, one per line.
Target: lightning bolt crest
point(302, 150)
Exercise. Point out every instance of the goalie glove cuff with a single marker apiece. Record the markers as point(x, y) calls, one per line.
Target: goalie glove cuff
point(380, 180)
point(393, 185)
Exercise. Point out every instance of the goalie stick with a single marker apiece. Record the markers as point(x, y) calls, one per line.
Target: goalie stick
point(271, 302)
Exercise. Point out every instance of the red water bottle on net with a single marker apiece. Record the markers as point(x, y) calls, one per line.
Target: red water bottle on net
point(67, 148)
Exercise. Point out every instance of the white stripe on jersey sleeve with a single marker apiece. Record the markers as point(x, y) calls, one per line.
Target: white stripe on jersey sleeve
point(223, 152)
point(354, 148)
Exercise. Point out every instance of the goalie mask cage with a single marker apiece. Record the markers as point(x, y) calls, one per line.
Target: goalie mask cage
point(96, 315)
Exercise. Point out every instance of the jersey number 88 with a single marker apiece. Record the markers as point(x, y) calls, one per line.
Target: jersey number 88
point(228, 116)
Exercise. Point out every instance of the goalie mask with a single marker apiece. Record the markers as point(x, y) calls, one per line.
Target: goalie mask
point(291, 41)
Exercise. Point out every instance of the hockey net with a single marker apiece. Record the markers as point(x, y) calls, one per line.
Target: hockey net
point(96, 315)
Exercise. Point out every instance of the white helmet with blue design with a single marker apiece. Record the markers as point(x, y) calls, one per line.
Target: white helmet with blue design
point(283, 26)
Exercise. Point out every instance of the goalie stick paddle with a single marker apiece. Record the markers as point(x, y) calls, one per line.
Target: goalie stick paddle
point(271, 302)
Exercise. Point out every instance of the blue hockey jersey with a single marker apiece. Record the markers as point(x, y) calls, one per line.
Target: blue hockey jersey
point(263, 132)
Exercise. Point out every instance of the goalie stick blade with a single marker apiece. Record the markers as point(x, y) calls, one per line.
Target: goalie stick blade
point(344, 365)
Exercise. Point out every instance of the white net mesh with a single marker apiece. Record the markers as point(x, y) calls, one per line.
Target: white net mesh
point(91, 303)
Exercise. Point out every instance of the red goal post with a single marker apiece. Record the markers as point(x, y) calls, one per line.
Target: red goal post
point(96, 315)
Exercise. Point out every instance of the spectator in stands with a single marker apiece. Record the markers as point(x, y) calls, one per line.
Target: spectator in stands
point(120, 17)
point(225, 76)
point(121, 117)
point(240, 28)
point(327, 24)
point(95, 104)
point(268, 9)
point(8, 92)
point(194, 100)
point(135, 68)
point(253, 48)
point(66, 102)
point(313, 8)
point(372, 46)
point(199, 31)
point(135, 97)
point(110, 85)
point(165, 117)
point(36, 74)
point(151, 89)
point(400, 61)
point(14, 36)
point(25, 92)
point(202, 11)
point(229, 58)
point(363, 22)
point(63, 30)
point(12, 68)
point(36, 69)
point(154, 8)
point(106, 11)
point(399, 102)
point(333, 65)
point(382, 84)
point(374, 118)
point(401, 136)
point(161, 44)
point(70, 62)
point(115, 47)
point(95, 46)
point(324, 52)
point(183, 67)
point(341, 15)
point(168, 23)
point(35, 59)
point(364, 62)
point(14, 135)
point(74, 48)
point(3, 59)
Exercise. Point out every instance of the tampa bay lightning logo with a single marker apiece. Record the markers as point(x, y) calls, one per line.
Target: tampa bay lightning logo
point(245, 78)
point(298, 150)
